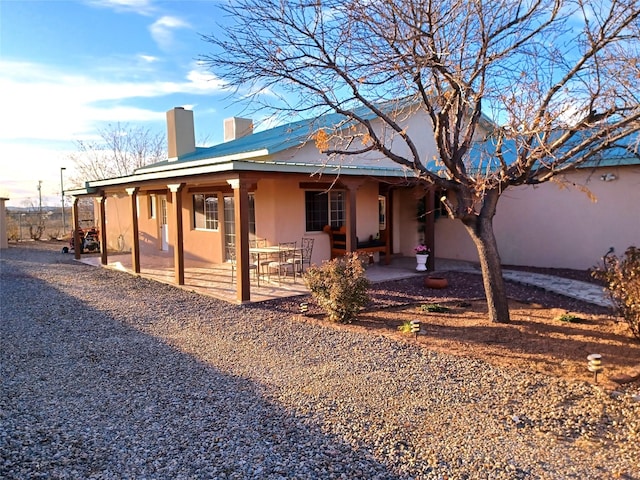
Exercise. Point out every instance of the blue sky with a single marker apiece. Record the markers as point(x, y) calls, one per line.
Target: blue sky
point(70, 67)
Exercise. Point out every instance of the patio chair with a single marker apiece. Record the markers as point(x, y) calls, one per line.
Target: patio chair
point(231, 259)
point(260, 261)
point(303, 257)
point(286, 252)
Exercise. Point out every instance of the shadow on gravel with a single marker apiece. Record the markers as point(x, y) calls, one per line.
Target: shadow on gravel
point(85, 395)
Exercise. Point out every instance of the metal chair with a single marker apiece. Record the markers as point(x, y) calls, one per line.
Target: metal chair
point(231, 258)
point(303, 257)
point(286, 252)
point(261, 262)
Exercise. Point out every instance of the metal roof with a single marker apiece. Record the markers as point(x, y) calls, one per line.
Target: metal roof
point(259, 152)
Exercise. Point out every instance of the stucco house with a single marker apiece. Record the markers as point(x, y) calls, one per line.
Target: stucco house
point(275, 185)
point(272, 184)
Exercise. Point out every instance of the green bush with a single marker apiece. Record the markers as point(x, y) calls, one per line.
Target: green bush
point(622, 279)
point(339, 287)
point(569, 318)
point(434, 308)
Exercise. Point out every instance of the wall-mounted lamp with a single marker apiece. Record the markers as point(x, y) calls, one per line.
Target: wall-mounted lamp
point(608, 177)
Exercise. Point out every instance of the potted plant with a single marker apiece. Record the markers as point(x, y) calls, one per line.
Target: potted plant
point(422, 253)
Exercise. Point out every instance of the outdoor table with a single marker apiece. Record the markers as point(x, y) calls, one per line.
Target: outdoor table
point(270, 251)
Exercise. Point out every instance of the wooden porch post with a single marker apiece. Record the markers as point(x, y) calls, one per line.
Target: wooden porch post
point(241, 201)
point(76, 225)
point(352, 190)
point(178, 236)
point(103, 229)
point(135, 240)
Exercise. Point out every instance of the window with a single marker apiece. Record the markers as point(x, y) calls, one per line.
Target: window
point(382, 212)
point(322, 208)
point(252, 215)
point(205, 211)
point(230, 220)
point(152, 206)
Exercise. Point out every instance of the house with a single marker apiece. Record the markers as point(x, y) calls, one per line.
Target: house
point(569, 222)
point(276, 185)
point(272, 184)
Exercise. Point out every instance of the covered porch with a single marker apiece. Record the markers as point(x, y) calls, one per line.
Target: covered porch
point(216, 280)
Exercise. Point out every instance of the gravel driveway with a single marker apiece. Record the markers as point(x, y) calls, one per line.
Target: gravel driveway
point(105, 375)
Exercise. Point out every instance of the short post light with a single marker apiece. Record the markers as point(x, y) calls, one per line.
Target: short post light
point(595, 365)
point(304, 308)
point(415, 328)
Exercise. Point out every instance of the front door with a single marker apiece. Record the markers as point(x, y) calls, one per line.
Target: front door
point(164, 224)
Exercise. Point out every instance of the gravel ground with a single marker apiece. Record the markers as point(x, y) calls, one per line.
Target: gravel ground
point(105, 375)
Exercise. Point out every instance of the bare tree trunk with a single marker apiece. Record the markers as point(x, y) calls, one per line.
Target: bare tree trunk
point(480, 229)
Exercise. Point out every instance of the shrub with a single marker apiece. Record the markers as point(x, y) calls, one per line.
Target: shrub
point(339, 287)
point(569, 318)
point(622, 279)
point(434, 308)
point(405, 327)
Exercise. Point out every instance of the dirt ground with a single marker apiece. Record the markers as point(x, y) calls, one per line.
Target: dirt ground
point(535, 340)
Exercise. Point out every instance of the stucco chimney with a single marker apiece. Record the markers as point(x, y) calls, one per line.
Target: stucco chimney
point(180, 133)
point(236, 127)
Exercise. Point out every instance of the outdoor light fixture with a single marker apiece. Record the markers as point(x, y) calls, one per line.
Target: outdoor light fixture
point(608, 177)
point(415, 328)
point(595, 365)
point(304, 308)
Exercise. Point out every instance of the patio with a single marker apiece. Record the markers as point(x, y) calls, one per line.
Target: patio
point(216, 280)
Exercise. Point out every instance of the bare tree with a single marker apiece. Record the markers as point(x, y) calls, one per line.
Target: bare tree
point(120, 150)
point(557, 80)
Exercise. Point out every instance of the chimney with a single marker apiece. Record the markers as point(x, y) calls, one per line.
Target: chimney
point(236, 127)
point(180, 134)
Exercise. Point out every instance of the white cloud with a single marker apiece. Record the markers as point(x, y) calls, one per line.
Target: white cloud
point(45, 103)
point(142, 7)
point(148, 58)
point(204, 81)
point(162, 30)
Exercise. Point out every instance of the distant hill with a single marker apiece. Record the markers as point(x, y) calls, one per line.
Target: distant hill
point(45, 209)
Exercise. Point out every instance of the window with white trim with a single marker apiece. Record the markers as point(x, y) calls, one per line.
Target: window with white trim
point(205, 211)
point(324, 208)
point(152, 206)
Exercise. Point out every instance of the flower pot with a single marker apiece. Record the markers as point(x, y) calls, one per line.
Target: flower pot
point(436, 282)
point(421, 262)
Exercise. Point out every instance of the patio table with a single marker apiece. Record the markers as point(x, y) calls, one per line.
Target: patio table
point(270, 251)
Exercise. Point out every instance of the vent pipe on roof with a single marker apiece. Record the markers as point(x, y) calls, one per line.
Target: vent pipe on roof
point(236, 127)
point(180, 133)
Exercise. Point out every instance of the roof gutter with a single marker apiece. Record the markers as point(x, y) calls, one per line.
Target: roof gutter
point(206, 161)
point(243, 166)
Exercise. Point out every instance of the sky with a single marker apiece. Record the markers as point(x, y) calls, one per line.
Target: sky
point(71, 67)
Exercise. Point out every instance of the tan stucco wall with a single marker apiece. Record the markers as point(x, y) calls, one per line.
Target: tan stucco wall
point(147, 226)
point(280, 214)
point(549, 226)
point(118, 223)
point(405, 225)
point(280, 217)
point(200, 246)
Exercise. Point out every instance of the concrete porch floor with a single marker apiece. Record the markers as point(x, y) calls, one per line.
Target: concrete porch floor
point(215, 279)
